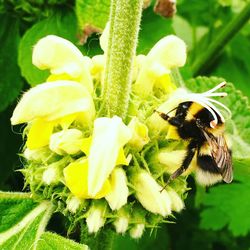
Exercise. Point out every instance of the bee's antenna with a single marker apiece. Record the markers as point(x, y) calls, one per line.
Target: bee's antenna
point(161, 113)
point(220, 85)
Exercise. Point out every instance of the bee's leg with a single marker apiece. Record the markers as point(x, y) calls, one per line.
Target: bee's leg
point(185, 164)
point(175, 121)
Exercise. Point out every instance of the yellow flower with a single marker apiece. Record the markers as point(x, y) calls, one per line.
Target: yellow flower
point(149, 194)
point(139, 134)
point(119, 190)
point(67, 141)
point(167, 53)
point(76, 179)
point(109, 137)
point(52, 103)
point(54, 100)
point(63, 59)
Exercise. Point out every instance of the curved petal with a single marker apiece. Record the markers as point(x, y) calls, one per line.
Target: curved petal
point(170, 52)
point(149, 194)
point(139, 133)
point(54, 100)
point(109, 136)
point(167, 53)
point(76, 178)
point(62, 58)
point(119, 189)
point(67, 141)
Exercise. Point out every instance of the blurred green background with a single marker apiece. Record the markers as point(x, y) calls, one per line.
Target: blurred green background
point(215, 218)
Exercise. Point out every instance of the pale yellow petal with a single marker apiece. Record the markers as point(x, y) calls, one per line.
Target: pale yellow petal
point(170, 51)
point(150, 194)
point(67, 141)
point(54, 100)
point(139, 134)
point(118, 195)
point(62, 58)
point(104, 37)
point(109, 135)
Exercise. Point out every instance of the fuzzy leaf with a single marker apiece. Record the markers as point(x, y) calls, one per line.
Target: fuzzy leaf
point(11, 83)
point(239, 126)
point(22, 220)
point(148, 34)
point(61, 24)
point(51, 241)
point(92, 16)
point(229, 204)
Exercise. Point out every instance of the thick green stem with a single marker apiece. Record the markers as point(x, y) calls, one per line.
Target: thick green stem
point(232, 28)
point(124, 27)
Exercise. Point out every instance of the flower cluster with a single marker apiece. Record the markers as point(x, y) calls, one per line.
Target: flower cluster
point(102, 169)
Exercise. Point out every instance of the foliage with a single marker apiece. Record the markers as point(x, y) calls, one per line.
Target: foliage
point(23, 222)
point(216, 218)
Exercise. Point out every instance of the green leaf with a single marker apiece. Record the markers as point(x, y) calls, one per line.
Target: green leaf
point(149, 34)
point(234, 63)
point(22, 225)
point(229, 204)
point(92, 14)
point(63, 24)
point(183, 30)
point(11, 83)
point(239, 126)
point(51, 241)
point(208, 220)
point(22, 220)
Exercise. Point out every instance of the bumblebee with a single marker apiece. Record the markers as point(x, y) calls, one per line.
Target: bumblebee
point(199, 122)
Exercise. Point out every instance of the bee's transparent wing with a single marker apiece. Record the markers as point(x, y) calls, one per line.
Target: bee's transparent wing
point(221, 155)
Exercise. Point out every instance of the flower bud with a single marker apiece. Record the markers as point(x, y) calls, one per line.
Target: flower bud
point(66, 141)
point(121, 224)
point(119, 190)
point(73, 203)
point(51, 175)
point(96, 217)
point(40, 154)
point(139, 134)
point(137, 230)
point(172, 159)
point(177, 203)
point(150, 194)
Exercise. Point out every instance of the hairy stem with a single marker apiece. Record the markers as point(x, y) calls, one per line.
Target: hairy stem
point(232, 28)
point(123, 35)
